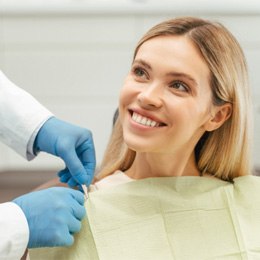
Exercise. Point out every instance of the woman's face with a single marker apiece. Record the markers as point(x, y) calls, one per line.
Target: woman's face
point(165, 102)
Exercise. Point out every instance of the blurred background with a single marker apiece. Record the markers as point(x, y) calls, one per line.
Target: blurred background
point(72, 56)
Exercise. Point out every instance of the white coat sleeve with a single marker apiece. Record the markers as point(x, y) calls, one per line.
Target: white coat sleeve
point(20, 116)
point(14, 231)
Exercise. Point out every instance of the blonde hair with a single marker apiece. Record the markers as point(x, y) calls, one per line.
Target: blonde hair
point(225, 152)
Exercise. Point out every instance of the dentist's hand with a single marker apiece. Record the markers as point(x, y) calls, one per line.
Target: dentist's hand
point(71, 143)
point(53, 216)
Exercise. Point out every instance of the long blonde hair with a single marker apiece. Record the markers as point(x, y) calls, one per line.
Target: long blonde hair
point(225, 152)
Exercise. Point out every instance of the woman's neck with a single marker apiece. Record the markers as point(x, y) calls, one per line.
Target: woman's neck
point(148, 165)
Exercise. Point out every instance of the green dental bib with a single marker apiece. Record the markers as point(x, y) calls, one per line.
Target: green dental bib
point(191, 218)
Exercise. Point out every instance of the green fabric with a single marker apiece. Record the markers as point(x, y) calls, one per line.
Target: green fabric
point(169, 218)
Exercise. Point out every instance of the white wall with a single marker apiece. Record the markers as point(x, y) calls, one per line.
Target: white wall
point(73, 55)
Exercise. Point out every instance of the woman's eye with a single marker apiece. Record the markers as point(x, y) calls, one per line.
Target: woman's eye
point(139, 72)
point(180, 86)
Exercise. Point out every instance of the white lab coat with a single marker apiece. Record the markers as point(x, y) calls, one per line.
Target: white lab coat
point(21, 116)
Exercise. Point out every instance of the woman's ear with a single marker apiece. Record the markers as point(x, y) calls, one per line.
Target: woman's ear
point(219, 115)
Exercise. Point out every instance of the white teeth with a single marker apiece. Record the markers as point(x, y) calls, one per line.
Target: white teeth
point(153, 123)
point(144, 120)
point(149, 121)
point(134, 116)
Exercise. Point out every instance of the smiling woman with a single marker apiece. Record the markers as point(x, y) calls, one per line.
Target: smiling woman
point(175, 180)
point(190, 75)
point(173, 91)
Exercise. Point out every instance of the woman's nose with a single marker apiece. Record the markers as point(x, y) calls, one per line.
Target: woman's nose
point(150, 97)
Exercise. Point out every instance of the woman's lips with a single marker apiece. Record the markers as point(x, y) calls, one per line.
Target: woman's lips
point(144, 120)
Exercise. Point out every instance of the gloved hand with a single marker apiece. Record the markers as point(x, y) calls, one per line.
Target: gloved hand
point(53, 215)
point(74, 145)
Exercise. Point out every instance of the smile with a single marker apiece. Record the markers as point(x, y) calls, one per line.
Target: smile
point(142, 120)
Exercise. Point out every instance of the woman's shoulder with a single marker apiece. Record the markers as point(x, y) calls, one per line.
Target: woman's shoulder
point(246, 190)
point(248, 181)
point(115, 179)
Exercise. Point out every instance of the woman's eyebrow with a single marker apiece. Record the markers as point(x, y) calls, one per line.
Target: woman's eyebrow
point(173, 74)
point(183, 75)
point(143, 63)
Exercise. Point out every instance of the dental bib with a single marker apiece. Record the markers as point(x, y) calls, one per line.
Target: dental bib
point(168, 218)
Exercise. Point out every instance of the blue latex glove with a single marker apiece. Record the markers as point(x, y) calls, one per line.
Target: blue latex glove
point(71, 143)
point(53, 216)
